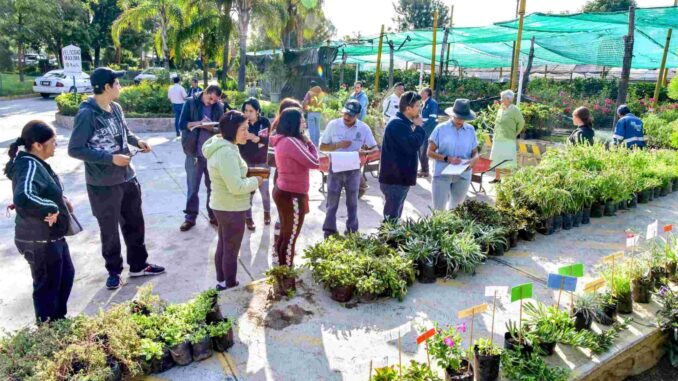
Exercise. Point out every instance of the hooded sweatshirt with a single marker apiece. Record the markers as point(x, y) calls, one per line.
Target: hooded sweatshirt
point(97, 136)
point(231, 187)
point(293, 160)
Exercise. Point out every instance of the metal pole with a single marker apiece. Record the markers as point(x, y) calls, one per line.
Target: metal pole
point(433, 52)
point(421, 74)
point(381, 43)
point(449, 46)
point(357, 70)
point(626, 65)
point(521, 15)
point(658, 86)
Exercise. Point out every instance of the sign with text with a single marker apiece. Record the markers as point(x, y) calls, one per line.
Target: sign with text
point(594, 285)
point(72, 60)
point(521, 292)
point(562, 282)
point(475, 310)
point(576, 270)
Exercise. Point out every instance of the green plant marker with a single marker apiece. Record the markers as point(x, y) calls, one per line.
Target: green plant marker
point(521, 292)
point(576, 270)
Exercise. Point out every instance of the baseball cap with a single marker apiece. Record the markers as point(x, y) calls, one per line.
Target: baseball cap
point(352, 107)
point(103, 75)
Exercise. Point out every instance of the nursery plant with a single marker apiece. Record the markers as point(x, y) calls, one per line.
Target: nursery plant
point(587, 308)
point(446, 349)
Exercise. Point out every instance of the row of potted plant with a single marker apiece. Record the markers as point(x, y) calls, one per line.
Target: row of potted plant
point(142, 336)
point(578, 182)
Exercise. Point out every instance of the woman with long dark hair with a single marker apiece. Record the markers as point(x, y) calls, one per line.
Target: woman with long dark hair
point(231, 188)
point(42, 219)
point(254, 152)
point(295, 155)
point(581, 117)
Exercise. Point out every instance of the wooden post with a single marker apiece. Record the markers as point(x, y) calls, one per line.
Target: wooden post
point(461, 73)
point(560, 290)
point(520, 318)
point(626, 65)
point(530, 58)
point(513, 54)
point(666, 77)
point(370, 379)
point(494, 310)
point(433, 52)
point(470, 345)
point(442, 55)
point(546, 70)
point(658, 86)
point(421, 74)
point(381, 43)
point(391, 50)
point(449, 46)
point(357, 71)
point(521, 15)
point(400, 356)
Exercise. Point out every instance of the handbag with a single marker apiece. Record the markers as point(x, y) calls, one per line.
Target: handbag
point(74, 226)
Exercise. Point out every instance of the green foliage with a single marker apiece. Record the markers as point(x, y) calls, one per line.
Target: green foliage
point(661, 129)
point(388, 373)
point(445, 347)
point(68, 104)
point(146, 99)
point(667, 318)
point(673, 88)
point(487, 348)
point(589, 305)
point(608, 5)
point(547, 324)
point(519, 367)
point(415, 14)
point(417, 371)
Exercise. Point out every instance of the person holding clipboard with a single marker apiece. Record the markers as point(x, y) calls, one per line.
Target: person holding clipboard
point(199, 122)
point(454, 147)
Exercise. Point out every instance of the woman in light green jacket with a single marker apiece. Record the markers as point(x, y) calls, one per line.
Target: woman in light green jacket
point(508, 125)
point(231, 188)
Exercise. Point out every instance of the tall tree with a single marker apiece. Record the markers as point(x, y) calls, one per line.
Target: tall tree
point(102, 15)
point(165, 14)
point(16, 20)
point(245, 9)
point(608, 5)
point(67, 24)
point(418, 14)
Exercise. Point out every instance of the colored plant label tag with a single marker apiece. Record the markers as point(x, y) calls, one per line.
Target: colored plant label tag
point(668, 228)
point(576, 269)
point(632, 240)
point(652, 230)
point(524, 291)
point(496, 290)
point(616, 257)
point(426, 335)
point(557, 281)
point(594, 285)
point(475, 310)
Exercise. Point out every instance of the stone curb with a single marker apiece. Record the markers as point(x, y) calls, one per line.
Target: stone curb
point(134, 124)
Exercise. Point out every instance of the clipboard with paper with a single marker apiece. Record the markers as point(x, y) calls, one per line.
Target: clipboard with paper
point(455, 169)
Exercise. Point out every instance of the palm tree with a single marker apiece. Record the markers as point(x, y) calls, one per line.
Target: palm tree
point(165, 14)
point(245, 9)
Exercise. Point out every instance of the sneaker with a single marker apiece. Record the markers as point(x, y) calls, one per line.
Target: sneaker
point(149, 270)
point(224, 288)
point(186, 226)
point(113, 282)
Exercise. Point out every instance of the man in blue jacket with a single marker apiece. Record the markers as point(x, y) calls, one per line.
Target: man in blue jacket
point(361, 97)
point(403, 138)
point(629, 129)
point(429, 115)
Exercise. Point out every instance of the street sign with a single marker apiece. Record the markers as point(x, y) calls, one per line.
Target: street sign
point(72, 60)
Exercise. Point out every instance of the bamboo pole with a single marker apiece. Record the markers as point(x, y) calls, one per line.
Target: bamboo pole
point(433, 52)
point(658, 86)
point(666, 77)
point(521, 16)
point(626, 64)
point(449, 46)
point(381, 43)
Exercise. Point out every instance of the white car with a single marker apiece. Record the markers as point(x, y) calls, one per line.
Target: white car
point(150, 74)
point(56, 82)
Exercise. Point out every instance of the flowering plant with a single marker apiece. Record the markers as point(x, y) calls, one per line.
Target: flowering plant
point(446, 348)
point(667, 318)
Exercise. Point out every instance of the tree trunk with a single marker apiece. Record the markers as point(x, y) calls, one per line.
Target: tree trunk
point(204, 69)
point(442, 55)
point(22, 61)
point(163, 36)
point(626, 65)
point(224, 65)
point(344, 57)
point(530, 57)
point(97, 55)
point(243, 26)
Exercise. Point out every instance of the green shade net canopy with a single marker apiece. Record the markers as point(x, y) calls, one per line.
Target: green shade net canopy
point(577, 39)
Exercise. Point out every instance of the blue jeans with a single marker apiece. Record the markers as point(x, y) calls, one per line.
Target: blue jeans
point(394, 200)
point(449, 189)
point(177, 107)
point(349, 180)
point(196, 167)
point(313, 121)
point(263, 189)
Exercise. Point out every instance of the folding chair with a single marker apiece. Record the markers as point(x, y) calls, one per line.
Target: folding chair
point(481, 167)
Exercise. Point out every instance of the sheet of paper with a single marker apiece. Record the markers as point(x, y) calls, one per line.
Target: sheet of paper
point(455, 169)
point(344, 161)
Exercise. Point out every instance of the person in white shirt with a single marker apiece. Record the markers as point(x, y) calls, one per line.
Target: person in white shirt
point(347, 134)
point(177, 95)
point(391, 102)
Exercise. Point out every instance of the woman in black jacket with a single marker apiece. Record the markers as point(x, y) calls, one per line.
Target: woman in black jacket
point(42, 220)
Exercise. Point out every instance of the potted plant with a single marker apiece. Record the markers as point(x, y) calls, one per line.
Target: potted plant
point(586, 309)
point(209, 301)
point(388, 373)
point(222, 335)
point(619, 282)
point(546, 326)
point(417, 371)
point(609, 309)
point(446, 349)
point(283, 279)
point(515, 338)
point(641, 279)
point(423, 252)
point(369, 287)
point(201, 343)
point(174, 333)
point(339, 275)
point(486, 361)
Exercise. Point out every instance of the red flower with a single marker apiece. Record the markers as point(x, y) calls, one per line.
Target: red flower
point(608, 101)
point(596, 107)
point(567, 110)
point(606, 110)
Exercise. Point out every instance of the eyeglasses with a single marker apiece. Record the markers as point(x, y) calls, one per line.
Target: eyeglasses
point(412, 98)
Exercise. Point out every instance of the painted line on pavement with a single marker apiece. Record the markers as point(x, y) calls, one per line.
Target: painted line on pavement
point(539, 279)
point(228, 365)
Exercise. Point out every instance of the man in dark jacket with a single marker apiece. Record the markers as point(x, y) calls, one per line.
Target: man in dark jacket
point(429, 115)
point(400, 153)
point(629, 129)
point(198, 112)
point(102, 140)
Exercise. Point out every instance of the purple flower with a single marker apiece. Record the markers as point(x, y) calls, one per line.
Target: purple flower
point(461, 328)
point(663, 291)
point(449, 342)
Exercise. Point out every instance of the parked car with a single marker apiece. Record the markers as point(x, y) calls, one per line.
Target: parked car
point(56, 82)
point(150, 74)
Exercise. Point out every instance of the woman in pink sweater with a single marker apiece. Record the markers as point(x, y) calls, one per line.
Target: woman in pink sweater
point(295, 156)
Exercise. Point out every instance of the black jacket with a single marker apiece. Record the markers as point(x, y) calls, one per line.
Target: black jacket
point(192, 112)
point(582, 135)
point(400, 152)
point(97, 136)
point(37, 192)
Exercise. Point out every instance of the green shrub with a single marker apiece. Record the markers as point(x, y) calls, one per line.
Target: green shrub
point(661, 130)
point(146, 98)
point(68, 104)
point(236, 98)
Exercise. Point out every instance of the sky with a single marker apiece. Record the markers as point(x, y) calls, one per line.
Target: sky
point(367, 16)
